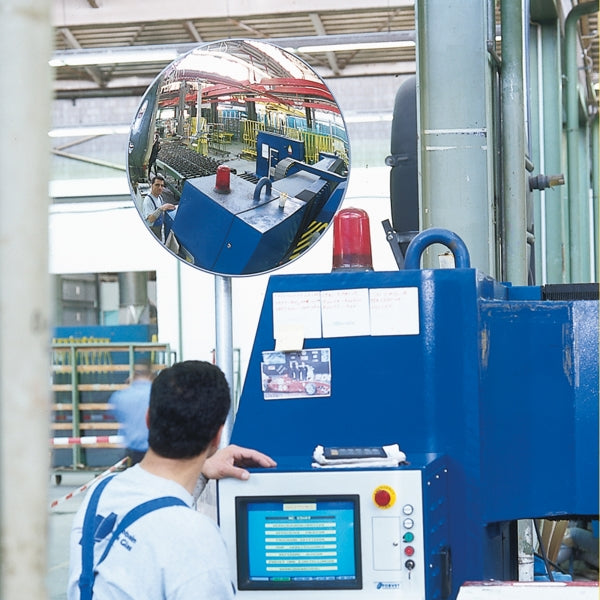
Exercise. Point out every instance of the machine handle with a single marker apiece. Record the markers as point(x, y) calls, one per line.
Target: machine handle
point(426, 238)
point(262, 182)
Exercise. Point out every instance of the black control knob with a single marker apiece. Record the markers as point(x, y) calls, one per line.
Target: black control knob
point(410, 564)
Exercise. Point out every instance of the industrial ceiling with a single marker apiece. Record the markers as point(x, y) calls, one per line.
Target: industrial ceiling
point(85, 28)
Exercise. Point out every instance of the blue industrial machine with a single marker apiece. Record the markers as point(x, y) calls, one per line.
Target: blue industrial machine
point(257, 223)
point(491, 390)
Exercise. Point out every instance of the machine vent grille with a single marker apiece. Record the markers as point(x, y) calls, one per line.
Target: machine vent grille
point(571, 291)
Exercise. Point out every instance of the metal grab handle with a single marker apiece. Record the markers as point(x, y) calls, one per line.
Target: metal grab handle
point(262, 182)
point(426, 238)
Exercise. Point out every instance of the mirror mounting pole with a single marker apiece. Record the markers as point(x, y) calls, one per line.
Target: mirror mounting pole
point(224, 343)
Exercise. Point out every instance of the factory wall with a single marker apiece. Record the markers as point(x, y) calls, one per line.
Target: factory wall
point(95, 229)
point(110, 236)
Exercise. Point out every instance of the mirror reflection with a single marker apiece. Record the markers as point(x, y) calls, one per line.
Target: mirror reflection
point(238, 157)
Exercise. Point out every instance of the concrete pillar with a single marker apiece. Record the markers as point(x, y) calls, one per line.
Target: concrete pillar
point(25, 45)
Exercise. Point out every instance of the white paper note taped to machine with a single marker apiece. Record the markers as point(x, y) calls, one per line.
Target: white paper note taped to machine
point(394, 311)
point(296, 316)
point(345, 313)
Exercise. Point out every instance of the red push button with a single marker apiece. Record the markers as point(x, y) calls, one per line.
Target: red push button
point(384, 496)
point(409, 550)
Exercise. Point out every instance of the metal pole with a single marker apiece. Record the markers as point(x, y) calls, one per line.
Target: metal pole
point(525, 549)
point(550, 102)
point(514, 176)
point(579, 238)
point(24, 298)
point(224, 342)
point(595, 184)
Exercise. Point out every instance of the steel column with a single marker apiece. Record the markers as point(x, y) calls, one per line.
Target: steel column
point(551, 224)
point(578, 198)
point(514, 147)
point(454, 113)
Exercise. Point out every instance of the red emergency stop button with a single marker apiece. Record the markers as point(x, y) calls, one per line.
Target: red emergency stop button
point(384, 496)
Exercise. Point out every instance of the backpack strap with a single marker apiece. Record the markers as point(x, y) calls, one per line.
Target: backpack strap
point(88, 570)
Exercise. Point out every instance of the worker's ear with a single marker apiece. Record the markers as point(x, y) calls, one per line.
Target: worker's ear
point(148, 418)
point(217, 439)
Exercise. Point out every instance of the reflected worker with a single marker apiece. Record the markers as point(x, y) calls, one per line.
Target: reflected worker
point(154, 155)
point(153, 207)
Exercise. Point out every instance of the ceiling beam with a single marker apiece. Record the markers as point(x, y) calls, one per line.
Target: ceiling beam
point(69, 12)
point(320, 30)
point(72, 42)
point(288, 42)
point(191, 29)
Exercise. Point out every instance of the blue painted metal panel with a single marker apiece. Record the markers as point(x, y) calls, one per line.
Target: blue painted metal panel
point(260, 238)
point(504, 385)
point(271, 148)
point(539, 403)
point(238, 233)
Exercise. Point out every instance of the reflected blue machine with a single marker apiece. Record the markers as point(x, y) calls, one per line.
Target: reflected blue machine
point(490, 389)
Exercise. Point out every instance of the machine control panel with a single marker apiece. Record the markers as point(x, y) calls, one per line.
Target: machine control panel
point(336, 534)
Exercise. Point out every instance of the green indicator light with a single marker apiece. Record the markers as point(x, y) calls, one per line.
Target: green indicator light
point(408, 537)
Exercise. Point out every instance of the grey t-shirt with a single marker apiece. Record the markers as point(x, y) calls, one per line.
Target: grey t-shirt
point(172, 553)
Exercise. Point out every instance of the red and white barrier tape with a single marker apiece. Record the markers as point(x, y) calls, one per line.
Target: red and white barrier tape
point(87, 485)
point(91, 439)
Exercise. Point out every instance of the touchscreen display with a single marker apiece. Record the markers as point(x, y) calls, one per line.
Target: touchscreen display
point(299, 542)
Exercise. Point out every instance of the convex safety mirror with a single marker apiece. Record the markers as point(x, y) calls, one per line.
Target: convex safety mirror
point(238, 157)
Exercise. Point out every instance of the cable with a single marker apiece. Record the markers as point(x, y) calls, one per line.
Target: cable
point(543, 550)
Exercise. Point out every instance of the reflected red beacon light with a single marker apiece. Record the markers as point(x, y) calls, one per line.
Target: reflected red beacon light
point(222, 185)
point(352, 240)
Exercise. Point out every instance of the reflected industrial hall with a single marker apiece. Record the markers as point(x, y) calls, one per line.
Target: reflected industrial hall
point(253, 150)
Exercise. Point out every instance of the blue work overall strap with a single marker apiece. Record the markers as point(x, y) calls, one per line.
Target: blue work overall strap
point(86, 579)
point(139, 511)
point(88, 570)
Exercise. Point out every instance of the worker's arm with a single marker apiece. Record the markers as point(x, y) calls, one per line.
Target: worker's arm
point(232, 460)
point(151, 218)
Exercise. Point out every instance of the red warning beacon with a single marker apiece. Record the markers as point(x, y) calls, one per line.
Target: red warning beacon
point(352, 241)
point(223, 180)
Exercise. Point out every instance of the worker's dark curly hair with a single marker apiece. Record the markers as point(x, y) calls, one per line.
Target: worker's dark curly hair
point(189, 401)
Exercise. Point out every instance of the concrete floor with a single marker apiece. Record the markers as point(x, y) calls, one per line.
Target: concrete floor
point(60, 519)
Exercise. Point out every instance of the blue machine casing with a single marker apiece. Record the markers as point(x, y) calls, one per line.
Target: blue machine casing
point(503, 385)
point(239, 233)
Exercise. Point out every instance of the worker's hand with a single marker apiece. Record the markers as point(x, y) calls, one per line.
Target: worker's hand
point(231, 460)
point(167, 206)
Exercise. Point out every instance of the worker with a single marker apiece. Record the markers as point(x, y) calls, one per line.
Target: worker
point(153, 207)
point(173, 551)
point(154, 155)
point(129, 408)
